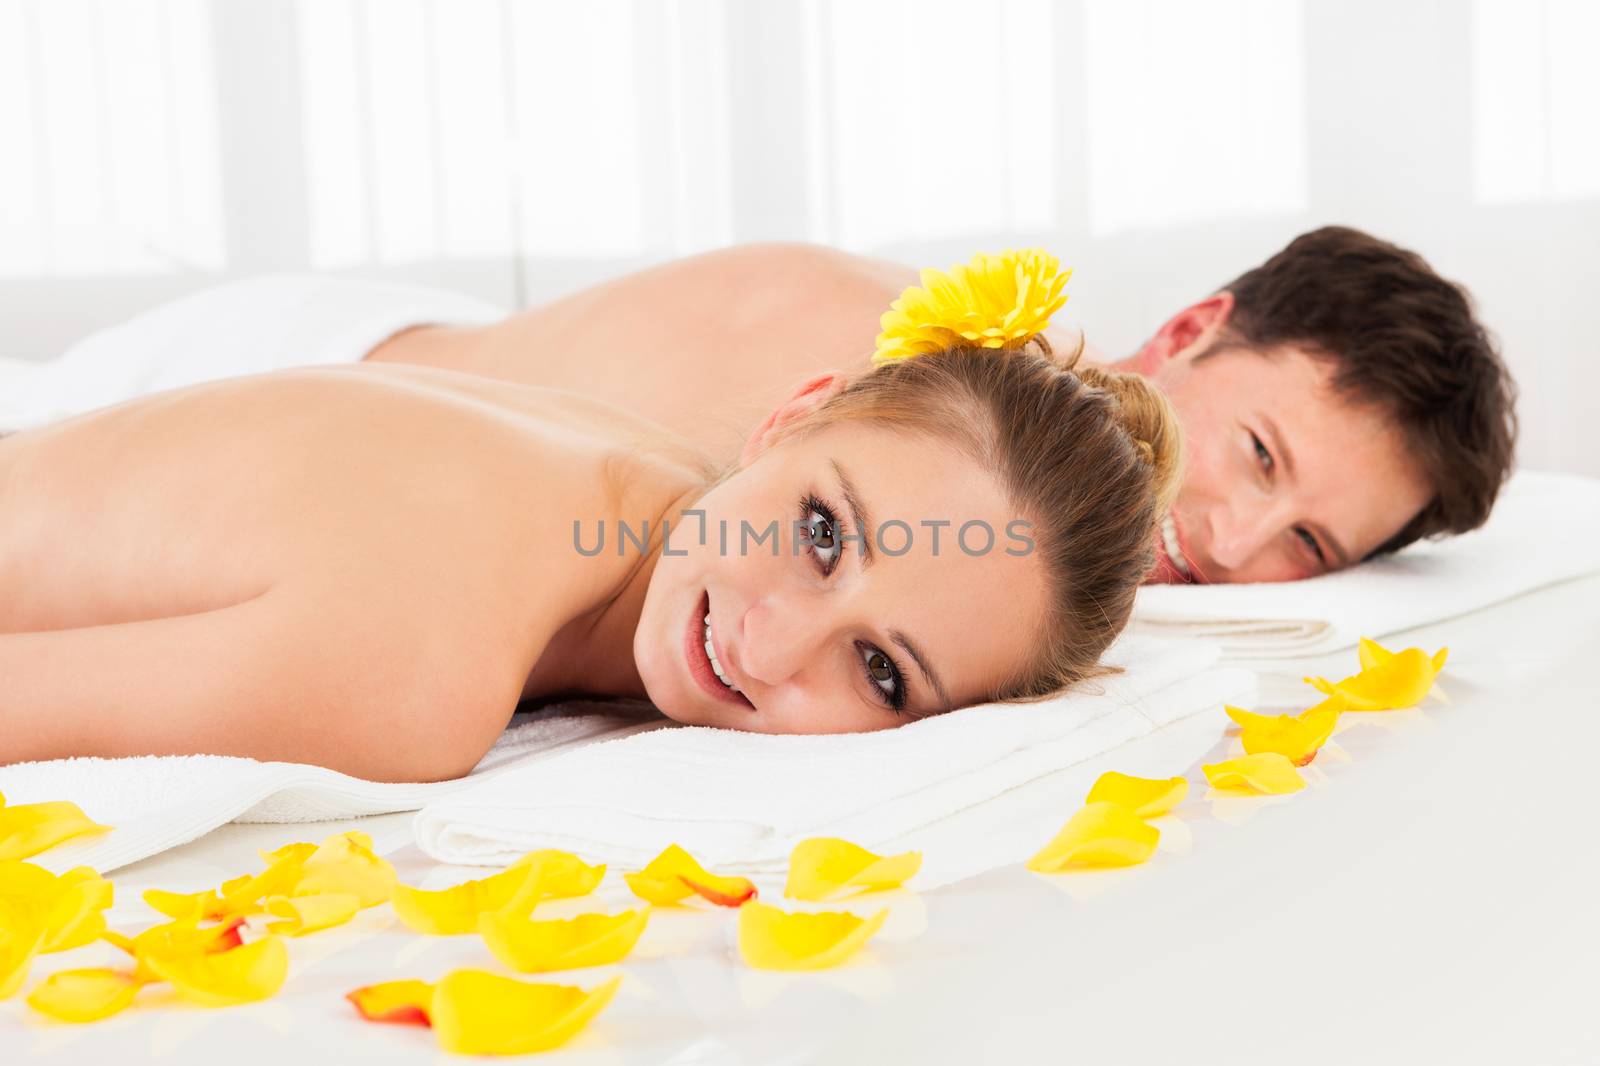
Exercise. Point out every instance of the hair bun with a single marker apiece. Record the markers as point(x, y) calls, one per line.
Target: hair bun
point(1148, 418)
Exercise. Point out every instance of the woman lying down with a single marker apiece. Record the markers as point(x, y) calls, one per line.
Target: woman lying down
point(369, 567)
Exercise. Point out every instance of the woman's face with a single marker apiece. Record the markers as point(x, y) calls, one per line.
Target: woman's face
point(817, 631)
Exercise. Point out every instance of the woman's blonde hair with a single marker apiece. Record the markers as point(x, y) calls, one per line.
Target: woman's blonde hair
point(1092, 458)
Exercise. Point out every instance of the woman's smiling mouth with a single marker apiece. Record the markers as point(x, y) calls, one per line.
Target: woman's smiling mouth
point(704, 665)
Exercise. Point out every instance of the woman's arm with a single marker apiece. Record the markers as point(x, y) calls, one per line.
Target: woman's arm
point(278, 677)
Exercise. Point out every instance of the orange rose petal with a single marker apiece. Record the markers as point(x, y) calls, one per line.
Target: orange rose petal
point(84, 995)
point(723, 891)
point(400, 1002)
point(674, 875)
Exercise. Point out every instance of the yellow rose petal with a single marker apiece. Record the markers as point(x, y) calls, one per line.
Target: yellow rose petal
point(84, 995)
point(674, 875)
point(19, 943)
point(26, 829)
point(1388, 680)
point(478, 1013)
point(405, 1002)
point(1147, 797)
point(560, 875)
point(309, 914)
point(1100, 834)
point(225, 978)
point(1296, 737)
point(535, 945)
point(77, 915)
point(772, 939)
point(821, 867)
point(1267, 772)
point(344, 863)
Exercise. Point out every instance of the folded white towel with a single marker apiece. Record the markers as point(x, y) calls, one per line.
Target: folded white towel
point(1541, 532)
point(158, 802)
point(244, 327)
point(740, 801)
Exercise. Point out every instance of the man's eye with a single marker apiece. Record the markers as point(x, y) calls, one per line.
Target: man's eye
point(819, 529)
point(1263, 456)
point(1310, 542)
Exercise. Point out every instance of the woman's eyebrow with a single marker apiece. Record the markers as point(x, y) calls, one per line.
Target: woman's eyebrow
point(860, 517)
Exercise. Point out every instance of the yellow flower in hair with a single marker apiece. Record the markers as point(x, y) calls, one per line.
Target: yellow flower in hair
point(995, 301)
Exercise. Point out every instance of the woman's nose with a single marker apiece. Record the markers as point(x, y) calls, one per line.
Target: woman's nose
point(778, 638)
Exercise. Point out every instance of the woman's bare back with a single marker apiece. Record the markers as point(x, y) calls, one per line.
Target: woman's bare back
point(357, 566)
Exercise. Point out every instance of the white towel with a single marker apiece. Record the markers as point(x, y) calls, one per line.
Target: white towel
point(740, 801)
point(1542, 532)
point(158, 802)
point(244, 327)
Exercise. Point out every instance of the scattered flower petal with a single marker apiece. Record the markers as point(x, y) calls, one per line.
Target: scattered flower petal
point(84, 995)
point(535, 945)
point(1145, 796)
point(26, 829)
point(455, 910)
point(175, 939)
point(309, 914)
point(1267, 772)
point(675, 875)
point(560, 875)
point(344, 862)
point(478, 1013)
point(401, 1002)
point(1297, 737)
point(67, 908)
point(1389, 680)
point(772, 939)
point(1100, 834)
point(19, 943)
point(225, 978)
point(821, 867)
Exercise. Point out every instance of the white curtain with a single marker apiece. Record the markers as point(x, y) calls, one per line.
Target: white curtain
point(518, 149)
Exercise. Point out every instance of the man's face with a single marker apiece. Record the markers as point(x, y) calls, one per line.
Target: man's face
point(1286, 479)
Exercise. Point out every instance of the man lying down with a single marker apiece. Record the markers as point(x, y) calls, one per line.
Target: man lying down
point(1339, 401)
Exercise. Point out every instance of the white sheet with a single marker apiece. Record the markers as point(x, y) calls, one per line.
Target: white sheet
point(244, 327)
point(1541, 532)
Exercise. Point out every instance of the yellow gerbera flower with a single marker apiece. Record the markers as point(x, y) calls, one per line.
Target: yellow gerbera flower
point(995, 301)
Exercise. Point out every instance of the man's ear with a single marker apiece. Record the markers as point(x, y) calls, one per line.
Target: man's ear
point(1187, 333)
point(810, 395)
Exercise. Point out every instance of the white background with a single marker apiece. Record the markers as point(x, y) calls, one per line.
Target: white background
point(519, 149)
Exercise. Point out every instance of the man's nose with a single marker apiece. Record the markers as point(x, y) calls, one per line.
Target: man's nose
point(778, 638)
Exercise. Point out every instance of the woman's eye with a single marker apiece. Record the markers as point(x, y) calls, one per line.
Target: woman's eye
point(1310, 542)
point(819, 529)
point(884, 676)
point(1263, 456)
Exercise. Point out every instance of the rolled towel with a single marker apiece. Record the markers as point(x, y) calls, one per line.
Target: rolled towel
point(740, 801)
point(1541, 533)
point(154, 803)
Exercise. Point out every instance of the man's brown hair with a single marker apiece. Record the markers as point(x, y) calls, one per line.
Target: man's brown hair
point(1404, 340)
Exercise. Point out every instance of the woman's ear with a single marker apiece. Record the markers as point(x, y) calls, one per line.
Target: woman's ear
point(812, 394)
